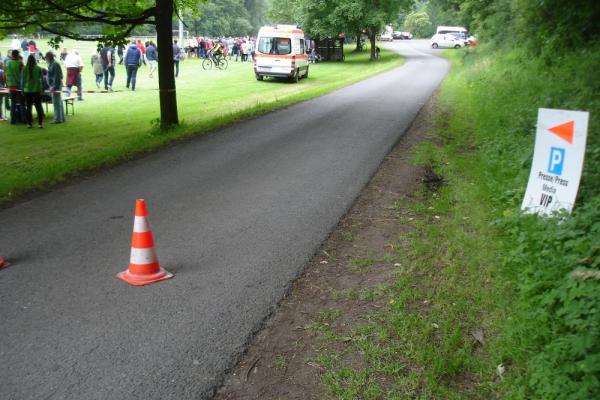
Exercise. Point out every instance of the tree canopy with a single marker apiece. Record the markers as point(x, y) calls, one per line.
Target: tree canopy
point(328, 18)
point(226, 18)
point(418, 23)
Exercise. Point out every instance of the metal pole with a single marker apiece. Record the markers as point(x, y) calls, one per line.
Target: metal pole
point(181, 32)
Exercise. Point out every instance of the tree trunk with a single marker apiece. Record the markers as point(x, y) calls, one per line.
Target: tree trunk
point(166, 73)
point(372, 38)
point(359, 45)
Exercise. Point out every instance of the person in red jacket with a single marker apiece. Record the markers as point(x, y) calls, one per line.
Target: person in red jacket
point(142, 48)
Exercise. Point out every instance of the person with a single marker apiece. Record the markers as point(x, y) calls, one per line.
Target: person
point(74, 65)
point(55, 77)
point(120, 51)
point(142, 48)
point(235, 51)
point(152, 56)
point(107, 57)
point(32, 88)
point(243, 50)
point(192, 46)
point(217, 52)
point(12, 72)
point(202, 47)
point(176, 57)
point(3, 117)
point(249, 51)
point(14, 43)
point(229, 48)
point(312, 58)
point(63, 54)
point(97, 68)
point(31, 47)
point(208, 47)
point(133, 57)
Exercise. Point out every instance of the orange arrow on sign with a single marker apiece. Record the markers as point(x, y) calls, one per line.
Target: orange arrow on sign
point(564, 131)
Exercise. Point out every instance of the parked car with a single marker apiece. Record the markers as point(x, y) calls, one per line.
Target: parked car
point(402, 35)
point(446, 41)
point(386, 37)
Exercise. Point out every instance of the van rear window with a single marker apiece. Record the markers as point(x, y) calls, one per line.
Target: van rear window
point(275, 45)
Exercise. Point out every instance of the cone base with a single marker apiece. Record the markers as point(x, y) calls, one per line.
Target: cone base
point(141, 280)
point(3, 264)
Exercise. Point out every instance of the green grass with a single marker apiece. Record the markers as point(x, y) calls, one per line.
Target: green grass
point(280, 362)
point(111, 127)
point(421, 346)
point(473, 264)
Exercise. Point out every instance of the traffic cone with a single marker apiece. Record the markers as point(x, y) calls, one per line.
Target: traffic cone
point(3, 264)
point(143, 264)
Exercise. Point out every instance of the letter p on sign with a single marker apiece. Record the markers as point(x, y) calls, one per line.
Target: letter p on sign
point(557, 158)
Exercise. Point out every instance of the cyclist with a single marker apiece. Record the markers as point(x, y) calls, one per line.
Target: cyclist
point(217, 52)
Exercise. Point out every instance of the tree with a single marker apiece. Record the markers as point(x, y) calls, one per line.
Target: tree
point(65, 18)
point(330, 17)
point(418, 23)
point(221, 18)
point(257, 10)
point(286, 12)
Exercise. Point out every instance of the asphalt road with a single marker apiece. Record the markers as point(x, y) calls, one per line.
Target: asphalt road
point(236, 215)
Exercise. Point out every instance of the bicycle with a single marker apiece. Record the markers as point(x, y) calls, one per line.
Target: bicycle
point(218, 61)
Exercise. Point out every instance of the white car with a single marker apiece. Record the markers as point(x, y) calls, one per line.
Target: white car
point(386, 37)
point(446, 40)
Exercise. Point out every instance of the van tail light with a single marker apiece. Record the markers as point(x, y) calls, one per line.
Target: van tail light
point(293, 62)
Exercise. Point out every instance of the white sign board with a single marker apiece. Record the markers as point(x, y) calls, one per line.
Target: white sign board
point(557, 161)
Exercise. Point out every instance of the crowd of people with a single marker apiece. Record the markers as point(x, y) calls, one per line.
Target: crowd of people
point(239, 48)
point(25, 84)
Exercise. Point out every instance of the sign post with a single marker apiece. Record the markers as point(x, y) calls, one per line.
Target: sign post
point(557, 161)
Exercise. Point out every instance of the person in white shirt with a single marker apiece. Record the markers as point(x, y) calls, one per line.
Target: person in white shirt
point(249, 50)
point(15, 44)
point(74, 65)
point(192, 46)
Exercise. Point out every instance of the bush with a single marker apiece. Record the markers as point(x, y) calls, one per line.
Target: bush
point(552, 343)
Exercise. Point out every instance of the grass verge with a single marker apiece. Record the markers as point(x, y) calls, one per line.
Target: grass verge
point(109, 128)
point(488, 302)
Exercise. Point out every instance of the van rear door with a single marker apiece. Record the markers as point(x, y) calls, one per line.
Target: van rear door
point(274, 56)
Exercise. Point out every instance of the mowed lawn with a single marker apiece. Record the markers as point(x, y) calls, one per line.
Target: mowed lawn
point(109, 127)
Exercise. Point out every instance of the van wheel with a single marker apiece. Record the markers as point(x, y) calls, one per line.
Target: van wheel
point(259, 77)
point(457, 46)
point(296, 76)
point(434, 45)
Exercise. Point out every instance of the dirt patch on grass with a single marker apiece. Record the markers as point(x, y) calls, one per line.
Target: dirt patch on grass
point(344, 282)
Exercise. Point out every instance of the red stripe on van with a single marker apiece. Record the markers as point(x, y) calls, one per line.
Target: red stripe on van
point(284, 56)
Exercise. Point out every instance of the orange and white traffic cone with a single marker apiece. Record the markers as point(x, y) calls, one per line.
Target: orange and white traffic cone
point(143, 263)
point(3, 264)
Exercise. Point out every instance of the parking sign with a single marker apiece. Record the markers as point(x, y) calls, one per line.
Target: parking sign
point(557, 161)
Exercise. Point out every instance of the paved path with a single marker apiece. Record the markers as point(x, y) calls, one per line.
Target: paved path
point(236, 215)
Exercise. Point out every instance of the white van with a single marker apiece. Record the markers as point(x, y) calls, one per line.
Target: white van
point(281, 52)
point(450, 36)
point(451, 29)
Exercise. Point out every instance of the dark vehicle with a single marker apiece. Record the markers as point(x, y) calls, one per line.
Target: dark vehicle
point(402, 35)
